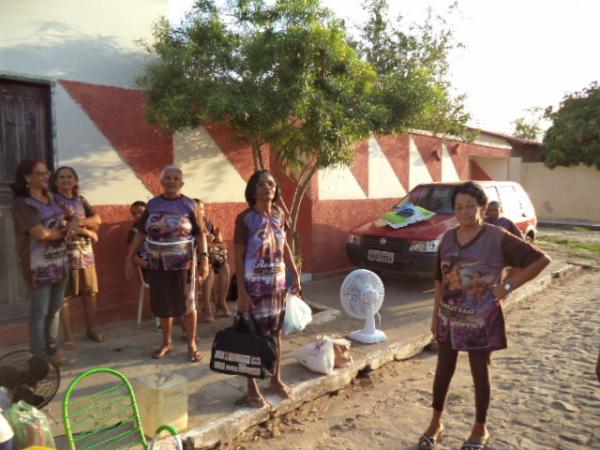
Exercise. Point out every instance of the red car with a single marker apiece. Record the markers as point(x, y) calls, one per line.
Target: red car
point(412, 250)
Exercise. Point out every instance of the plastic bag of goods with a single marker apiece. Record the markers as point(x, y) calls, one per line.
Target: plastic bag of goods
point(317, 356)
point(297, 314)
point(341, 351)
point(30, 425)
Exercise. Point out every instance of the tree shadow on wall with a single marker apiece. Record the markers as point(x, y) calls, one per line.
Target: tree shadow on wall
point(64, 54)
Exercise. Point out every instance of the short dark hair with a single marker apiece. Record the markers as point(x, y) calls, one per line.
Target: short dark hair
point(52, 183)
point(136, 204)
point(470, 188)
point(250, 192)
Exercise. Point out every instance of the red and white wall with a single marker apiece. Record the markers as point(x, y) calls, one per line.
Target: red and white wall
point(384, 170)
point(89, 55)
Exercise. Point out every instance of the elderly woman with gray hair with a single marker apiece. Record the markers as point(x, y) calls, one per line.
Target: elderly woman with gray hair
point(171, 230)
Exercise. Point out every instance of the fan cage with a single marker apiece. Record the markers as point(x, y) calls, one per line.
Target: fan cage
point(20, 361)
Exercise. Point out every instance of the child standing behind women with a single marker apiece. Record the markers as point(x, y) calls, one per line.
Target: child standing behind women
point(82, 279)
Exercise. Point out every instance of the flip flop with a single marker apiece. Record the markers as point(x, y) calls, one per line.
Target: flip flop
point(254, 401)
point(282, 390)
point(207, 319)
point(429, 442)
point(195, 355)
point(96, 337)
point(251, 401)
point(162, 351)
point(222, 312)
point(476, 445)
point(70, 345)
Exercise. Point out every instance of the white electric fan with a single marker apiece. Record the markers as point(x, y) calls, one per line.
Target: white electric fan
point(362, 296)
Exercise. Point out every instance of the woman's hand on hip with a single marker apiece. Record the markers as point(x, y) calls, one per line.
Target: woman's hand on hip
point(499, 292)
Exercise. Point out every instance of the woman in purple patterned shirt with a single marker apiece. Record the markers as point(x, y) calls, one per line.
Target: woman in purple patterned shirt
point(40, 232)
point(82, 280)
point(467, 315)
point(261, 256)
point(171, 230)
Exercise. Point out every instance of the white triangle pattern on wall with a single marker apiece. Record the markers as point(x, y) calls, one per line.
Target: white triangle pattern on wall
point(338, 183)
point(106, 179)
point(209, 175)
point(383, 181)
point(449, 172)
point(417, 169)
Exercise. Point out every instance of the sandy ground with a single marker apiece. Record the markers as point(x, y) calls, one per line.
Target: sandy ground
point(544, 396)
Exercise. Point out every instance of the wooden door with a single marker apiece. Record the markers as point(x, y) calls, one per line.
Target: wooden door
point(25, 133)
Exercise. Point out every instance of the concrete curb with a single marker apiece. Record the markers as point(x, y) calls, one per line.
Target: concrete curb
point(231, 426)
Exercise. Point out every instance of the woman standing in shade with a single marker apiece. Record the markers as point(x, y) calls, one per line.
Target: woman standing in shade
point(171, 228)
point(40, 231)
point(82, 280)
point(467, 314)
point(261, 254)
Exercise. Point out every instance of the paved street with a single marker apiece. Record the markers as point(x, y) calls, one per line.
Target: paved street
point(544, 396)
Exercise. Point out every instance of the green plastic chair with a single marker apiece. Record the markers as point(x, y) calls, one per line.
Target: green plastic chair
point(108, 419)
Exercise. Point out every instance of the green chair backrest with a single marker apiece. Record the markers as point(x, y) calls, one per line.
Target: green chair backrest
point(108, 418)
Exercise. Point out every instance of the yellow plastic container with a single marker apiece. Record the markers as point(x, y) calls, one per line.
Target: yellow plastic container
point(163, 400)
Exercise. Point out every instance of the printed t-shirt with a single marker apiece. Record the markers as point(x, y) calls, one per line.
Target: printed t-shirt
point(264, 238)
point(170, 226)
point(42, 262)
point(469, 315)
point(80, 254)
point(507, 224)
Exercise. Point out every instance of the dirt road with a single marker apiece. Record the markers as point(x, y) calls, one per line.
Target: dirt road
point(544, 396)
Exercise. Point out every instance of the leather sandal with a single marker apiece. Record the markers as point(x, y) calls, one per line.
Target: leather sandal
point(195, 355)
point(162, 351)
point(255, 401)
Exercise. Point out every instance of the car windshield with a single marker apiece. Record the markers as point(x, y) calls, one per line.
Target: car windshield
point(435, 198)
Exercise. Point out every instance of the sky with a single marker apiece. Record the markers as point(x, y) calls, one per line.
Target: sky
point(518, 54)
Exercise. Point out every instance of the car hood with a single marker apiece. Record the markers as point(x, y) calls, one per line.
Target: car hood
point(428, 230)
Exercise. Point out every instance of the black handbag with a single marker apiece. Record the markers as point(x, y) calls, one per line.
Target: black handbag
point(241, 350)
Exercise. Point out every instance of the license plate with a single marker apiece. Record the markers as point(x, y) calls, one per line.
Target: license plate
point(380, 256)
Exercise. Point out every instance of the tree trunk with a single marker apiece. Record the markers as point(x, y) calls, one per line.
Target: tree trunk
point(257, 156)
point(303, 182)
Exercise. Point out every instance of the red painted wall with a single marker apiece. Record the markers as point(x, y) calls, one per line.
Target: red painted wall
point(397, 150)
point(119, 115)
point(331, 221)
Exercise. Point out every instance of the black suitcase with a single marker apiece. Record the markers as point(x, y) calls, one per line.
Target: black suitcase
point(239, 351)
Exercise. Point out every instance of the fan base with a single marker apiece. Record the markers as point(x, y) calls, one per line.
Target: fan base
point(367, 337)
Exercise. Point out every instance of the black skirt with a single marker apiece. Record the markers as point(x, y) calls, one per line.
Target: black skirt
point(167, 292)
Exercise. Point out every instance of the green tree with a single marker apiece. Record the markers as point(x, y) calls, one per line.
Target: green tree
point(574, 135)
point(413, 71)
point(286, 74)
point(530, 127)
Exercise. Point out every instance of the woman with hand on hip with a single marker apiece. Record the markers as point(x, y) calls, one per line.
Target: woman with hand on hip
point(172, 230)
point(467, 314)
point(82, 280)
point(261, 255)
point(40, 232)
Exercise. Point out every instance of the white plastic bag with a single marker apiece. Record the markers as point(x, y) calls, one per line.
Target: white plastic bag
point(297, 314)
point(341, 350)
point(317, 356)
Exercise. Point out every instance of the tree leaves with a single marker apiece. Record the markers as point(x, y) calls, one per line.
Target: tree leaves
point(574, 136)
